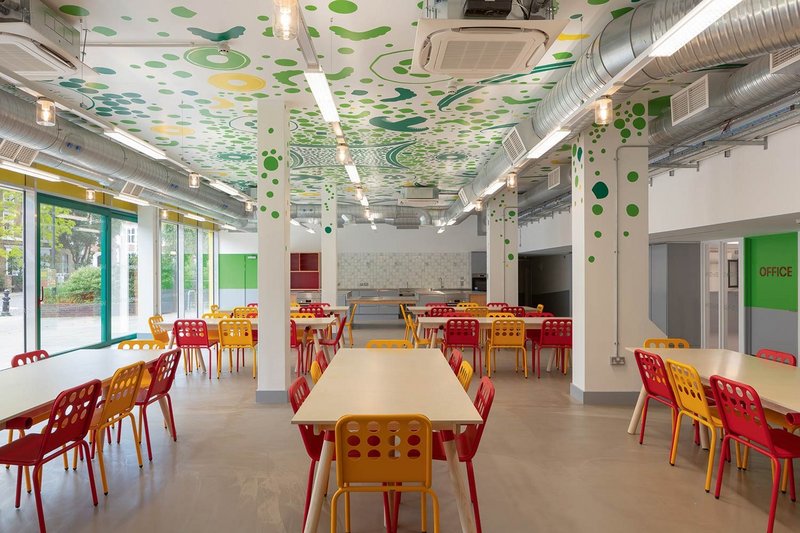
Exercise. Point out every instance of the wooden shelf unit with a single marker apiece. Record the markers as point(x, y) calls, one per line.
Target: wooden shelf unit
point(304, 271)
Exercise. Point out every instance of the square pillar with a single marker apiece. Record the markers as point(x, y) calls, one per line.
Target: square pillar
point(328, 248)
point(502, 246)
point(148, 249)
point(610, 266)
point(274, 364)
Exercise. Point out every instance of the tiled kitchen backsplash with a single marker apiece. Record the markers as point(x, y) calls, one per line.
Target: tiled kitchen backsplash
point(398, 270)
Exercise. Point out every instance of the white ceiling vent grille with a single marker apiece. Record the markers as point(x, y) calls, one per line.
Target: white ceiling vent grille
point(11, 151)
point(690, 101)
point(513, 145)
point(783, 59)
point(481, 53)
point(462, 195)
point(554, 178)
point(132, 190)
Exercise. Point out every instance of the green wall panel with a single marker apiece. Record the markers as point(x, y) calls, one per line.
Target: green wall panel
point(238, 271)
point(771, 271)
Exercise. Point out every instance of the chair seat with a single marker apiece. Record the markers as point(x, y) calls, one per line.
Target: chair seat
point(22, 452)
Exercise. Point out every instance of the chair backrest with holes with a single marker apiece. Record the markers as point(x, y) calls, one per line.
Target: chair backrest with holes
point(435, 304)
point(70, 416)
point(483, 403)
point(191, 333)
point(556, 332)
point(245, 312)
point(496, 305)
point(158, 332)
point(383, 449)
point(293, 334)
point(779, 357)
point(316, 372)
point(478, 312)
point(141, 344)
point(298, 392)
point(215, 314)
point(388, 343)
point(302, 315)
point(317, 310)
point(122, 391)
point(455, 361)
point(533, 314)
point(499, 314)
point(462, 332)
point(236, 333)
point(465, 372)
point(253, 304)
point(515, 310)
point(741, 411)
point(321, 360)
point(666, 343)
point(28, 358)
point(508, 332)
point(688, 388)
point(163, 373)
point(654, 375)
point(467, 304)
point(441, 311)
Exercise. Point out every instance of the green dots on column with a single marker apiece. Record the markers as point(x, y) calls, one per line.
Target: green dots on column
point(632, 210)
point(275, 214)
point(633, 176)
point(275, 181)
point(626, 233)
point(328, 229)
point(510, 257)
point(270, 194)
point(512, 213)
point(271, 163)
point(591, 259)
point(600, 190)
point(638, 109)
point(263, 208)
point(597, 209)
point(507, 241)
point(619, 123)
point(598, 234)
point(639, 123)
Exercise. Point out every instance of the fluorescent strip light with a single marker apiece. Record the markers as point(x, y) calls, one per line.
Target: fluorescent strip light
point(451, 221)
point(690, 26)
point(132, 199)
point(192, 216)
point(345, 218)
point(364, 201)
point(494, 187)
point(308, 229)
point(441, 230)
point(228, 227)
point(549, 141)
point(318, 84)
point(30, 171)
point(469, 207)
point(224, 187)
point(373, 226)
point(295, 223)
point(134, 143)
point(352, 172)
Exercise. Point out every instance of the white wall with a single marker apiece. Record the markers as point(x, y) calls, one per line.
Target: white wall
point(546, 234)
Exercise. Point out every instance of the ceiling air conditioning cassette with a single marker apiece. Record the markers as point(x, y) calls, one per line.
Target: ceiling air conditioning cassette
point(36, 44)
point(481, 48)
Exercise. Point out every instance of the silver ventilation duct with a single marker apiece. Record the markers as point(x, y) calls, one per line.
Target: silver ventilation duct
point(406, 217)
point(750, 87)
point(96, 155)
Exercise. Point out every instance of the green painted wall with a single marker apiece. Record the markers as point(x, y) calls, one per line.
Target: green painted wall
point(771, 271)
point(238, 271)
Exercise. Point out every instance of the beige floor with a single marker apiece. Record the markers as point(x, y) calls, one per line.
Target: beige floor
point(546, 464)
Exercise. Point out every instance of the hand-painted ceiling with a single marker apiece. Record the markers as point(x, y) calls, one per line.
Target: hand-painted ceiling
point(403, 128)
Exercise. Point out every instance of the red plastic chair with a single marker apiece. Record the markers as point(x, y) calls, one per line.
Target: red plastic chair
point(65, 430)
point(556, 333)
point(322, 361)
point(337, 340)
point(192, 334)
point(295, 344)
point(517, 311)
point(779, 357)
point(656, 385)
point(162, 375)
point(496, 305)
point(318, 310)
point(28, 358)
point(298, 392)
point(743, 419)
point(455, 361)
point(253, 305)
point(464, 333)
point(436, 304)
point(468, 441)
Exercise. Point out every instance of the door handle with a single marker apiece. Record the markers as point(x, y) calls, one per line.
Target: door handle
point(41, 294)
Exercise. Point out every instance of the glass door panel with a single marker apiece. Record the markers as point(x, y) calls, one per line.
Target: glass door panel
point(206, 252)
point(731, 295)
point(12, 288)
point(190, 272)
point(124, 296)
point(711, 297)
point(169, 271)
point(70, 276)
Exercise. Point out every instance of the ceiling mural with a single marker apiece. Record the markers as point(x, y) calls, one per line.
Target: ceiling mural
point(161, 77)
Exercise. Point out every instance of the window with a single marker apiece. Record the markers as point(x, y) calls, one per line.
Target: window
point(169, 271)
point(206, 250)
point(131, 236)
point(12, 288)
point(190, 286)
point(124, 269)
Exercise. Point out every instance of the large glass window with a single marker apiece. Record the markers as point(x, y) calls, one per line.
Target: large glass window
point(169, 271)
point(124, 268)
point(205, 245)
point(190, 286)
point(12, 302)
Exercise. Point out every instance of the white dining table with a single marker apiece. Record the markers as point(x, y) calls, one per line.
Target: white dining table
point(32, 388)
point(777, 384)
point(385, 381)
point(422, 309)
point(330, 308)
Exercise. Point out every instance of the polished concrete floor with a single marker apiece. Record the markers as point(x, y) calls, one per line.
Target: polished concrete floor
point(546, 464)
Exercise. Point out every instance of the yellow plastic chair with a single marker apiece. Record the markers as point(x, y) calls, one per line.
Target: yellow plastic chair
point(409, 323)
point(301, 315)
point(235, 334)
point(214, 308)
point(465, 372)
point(507, 333)
point(540, 308)
point(693, 403)
point(117, 405)
point(383, 453)
point(467, 304)
point(477, 312)
point(215, 315)
point(389, 343)
point(158, 332)
point(316, 372)
point(141, 344)
point(499, 314)
point(244, 312)
point(666, 343)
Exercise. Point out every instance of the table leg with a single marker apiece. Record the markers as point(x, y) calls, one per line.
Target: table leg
point(162, 402)
point(420, 331)
point(704, 443)
point(320, 486)
point(637, 412)
point(459, 490)
point(350, 323)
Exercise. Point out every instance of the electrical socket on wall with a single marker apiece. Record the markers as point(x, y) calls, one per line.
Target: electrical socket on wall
point(617, 360)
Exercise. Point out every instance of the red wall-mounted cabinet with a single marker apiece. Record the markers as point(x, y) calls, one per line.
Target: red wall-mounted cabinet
point(304, 271)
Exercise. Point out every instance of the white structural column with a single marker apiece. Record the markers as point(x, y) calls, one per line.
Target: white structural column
point(148, 245)
point(274, 365)
point(502, 245)
point(610, 264)
point(329, 264)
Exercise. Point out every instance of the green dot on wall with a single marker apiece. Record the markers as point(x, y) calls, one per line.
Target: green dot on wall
point(507, 241)
point(598, 234)
point(626, 233)
point(510, 257)
point(275, 214)
point(328, 229)
point(600, 190)
point(270, 194)
point(591, 259)
point(263, 208)
point(632, 210)
point(597, 209)
point(512, 213)
point(275, 181)
point(633, 176)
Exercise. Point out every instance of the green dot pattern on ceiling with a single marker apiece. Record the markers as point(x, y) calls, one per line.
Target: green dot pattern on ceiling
point(342, 7)
point(75, 11)
point(183, 12)
point(209, 57)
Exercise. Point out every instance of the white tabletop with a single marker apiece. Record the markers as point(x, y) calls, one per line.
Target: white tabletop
point(385, 381)
point(34, 387)
point(777, 384)
point(313, 323)
point(419, 309)
point(329, 308)
point(531, 322)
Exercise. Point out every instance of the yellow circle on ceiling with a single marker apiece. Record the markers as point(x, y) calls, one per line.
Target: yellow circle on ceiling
point(232, 81)
point(172, 130)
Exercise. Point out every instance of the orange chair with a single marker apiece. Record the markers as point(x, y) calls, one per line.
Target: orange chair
point(465, 373)
point(383, 453)
point(141, 344)
point(117, 405)
point(245, 312)
point(666, 342)
point(389, 343)
point(235, 334)
point(157, 330)
point(507, 333)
